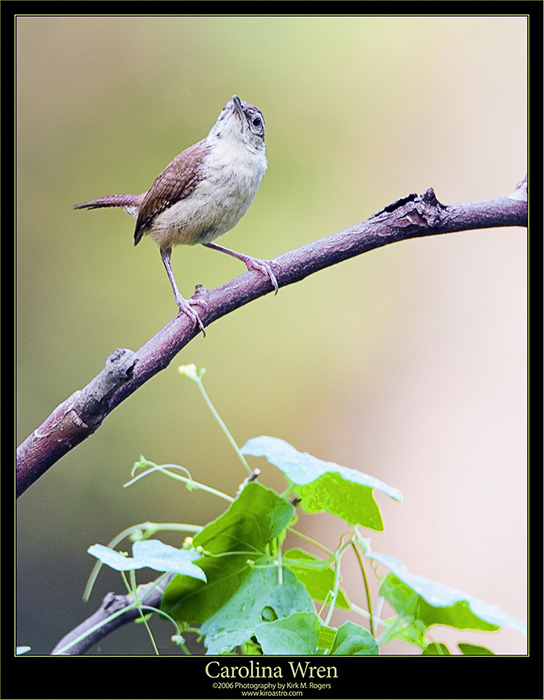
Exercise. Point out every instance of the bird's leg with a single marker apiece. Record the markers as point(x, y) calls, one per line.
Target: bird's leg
point(182, 303)
point(251, 263)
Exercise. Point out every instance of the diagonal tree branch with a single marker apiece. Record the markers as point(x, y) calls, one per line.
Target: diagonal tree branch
point(99, 624)
point(413, 216)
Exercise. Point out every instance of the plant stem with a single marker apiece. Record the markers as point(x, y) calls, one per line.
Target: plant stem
point(163, 468)
point(198, 380)
point(280, 565)
point(310, 540)
point(367, 589)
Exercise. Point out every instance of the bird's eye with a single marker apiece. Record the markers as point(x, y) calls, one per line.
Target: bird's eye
point(257, 121)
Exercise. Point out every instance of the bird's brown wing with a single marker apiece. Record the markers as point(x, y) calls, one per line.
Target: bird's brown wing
point(176, 182)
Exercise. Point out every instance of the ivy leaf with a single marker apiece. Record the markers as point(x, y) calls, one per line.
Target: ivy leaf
point(242, 533)
point(260, 597)
point(474, 650)
point(293, 635)
point(316, 575)
point(303, 633)
point(152, 554)
point(436, 649)
point(327, 635)
point(346, 493)
point(412, 631)
point(352, 639)
point(253, 520)
point(434, 603)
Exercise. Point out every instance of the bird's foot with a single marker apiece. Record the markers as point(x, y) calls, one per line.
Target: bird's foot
point(186, 308)
point(262, 267)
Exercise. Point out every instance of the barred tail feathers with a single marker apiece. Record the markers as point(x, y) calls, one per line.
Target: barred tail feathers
point(129, 202)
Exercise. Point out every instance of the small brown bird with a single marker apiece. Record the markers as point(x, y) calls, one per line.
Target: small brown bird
point(202, 193)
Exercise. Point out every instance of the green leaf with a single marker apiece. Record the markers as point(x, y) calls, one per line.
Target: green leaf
point(474, 650)
point(192, 601)
point(259, 598)
point(253, 520)
point(303, 633)
point(436, 604)
point(409, 630)
point(152, 554)
point(315, 574)
point(327, 635)
point(354, 640)
point(436, 649)
point(293, 635)
point(242, 533)
point(346, 493)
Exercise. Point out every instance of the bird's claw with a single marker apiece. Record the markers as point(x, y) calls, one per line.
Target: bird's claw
point(265, 269)
point(186, 308)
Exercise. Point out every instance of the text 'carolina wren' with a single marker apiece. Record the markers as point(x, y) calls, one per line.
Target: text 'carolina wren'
point(203, 192)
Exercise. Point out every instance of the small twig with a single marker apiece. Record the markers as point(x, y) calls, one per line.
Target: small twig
point(252, 477)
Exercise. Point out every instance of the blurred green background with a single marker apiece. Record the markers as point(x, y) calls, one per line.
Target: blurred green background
point(408, 363)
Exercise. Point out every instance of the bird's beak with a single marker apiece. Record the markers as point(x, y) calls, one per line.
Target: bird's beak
point(237, 106)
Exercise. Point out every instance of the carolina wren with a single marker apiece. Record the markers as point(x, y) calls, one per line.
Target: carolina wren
point(202, 193)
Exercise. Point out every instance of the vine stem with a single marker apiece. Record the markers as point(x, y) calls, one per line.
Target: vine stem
point(336, 585)
point(367, 589)
point(190, 372)
point(310, 540)
point(191, 483)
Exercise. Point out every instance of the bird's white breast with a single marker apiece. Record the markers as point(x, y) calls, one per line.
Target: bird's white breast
point(232, 174)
